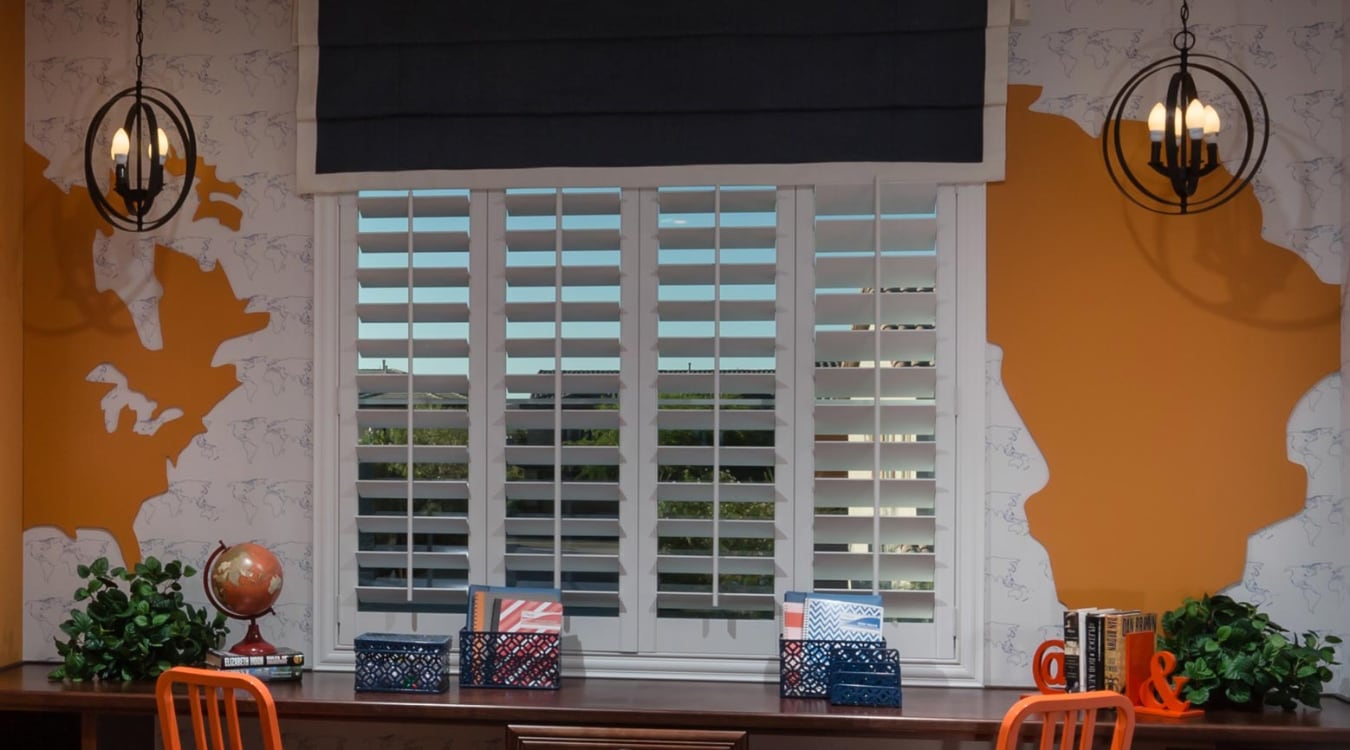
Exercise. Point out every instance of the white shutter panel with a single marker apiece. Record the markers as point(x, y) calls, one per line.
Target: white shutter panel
point(717, 266)
point(876, 392)
point(561, 500)
point(412, 315)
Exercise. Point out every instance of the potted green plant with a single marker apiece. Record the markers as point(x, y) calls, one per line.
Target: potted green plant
point(1235, 656)
point(137, 632)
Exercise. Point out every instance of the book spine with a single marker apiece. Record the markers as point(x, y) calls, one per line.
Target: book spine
point(272, 674)
point(1072, 649)
point(284, 660)
point(1113, 652)
point(225, 660)
point(1092, 653)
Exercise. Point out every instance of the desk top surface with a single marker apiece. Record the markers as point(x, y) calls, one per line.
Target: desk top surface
point(755, 707)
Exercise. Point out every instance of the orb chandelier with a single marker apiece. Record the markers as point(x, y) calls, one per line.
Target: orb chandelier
point(139, 149)
point(1184, 132)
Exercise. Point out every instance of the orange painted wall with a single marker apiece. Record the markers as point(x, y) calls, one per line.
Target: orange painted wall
point(73, 331)
point(11, 331)
point(1155, 361)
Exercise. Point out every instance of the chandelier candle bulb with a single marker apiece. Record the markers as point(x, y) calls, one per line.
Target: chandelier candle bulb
point(121, 146)
point(1195, 119)
point(161, 140)
point(1157, 120)
point(1211, 123)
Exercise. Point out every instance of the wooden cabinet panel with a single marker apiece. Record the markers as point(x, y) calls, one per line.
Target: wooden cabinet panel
point(530, 737)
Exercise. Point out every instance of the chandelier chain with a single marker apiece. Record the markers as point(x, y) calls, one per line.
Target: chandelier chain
point(140, 38)
point(1184, 40)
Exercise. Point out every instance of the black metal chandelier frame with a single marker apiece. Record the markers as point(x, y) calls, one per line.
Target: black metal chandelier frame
point(1179, 156)
point(139, 179)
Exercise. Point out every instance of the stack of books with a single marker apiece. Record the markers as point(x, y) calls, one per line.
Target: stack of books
point(286, 664)
point(1108, 649)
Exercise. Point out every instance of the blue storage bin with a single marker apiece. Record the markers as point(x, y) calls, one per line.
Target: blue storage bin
point(804, 665)
point(865, 675)
point(510, 660)
point(402, 663)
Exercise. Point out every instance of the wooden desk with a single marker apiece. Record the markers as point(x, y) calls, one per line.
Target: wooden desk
point(754, 708)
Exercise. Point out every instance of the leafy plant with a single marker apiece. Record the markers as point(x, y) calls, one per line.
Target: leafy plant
point(1236, 656)
point(134, 634)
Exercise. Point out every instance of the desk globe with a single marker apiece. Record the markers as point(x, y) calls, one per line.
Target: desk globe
point(244, 581)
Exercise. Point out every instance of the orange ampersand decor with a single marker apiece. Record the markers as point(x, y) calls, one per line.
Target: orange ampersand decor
point(1047, 667)
point(1160, 696)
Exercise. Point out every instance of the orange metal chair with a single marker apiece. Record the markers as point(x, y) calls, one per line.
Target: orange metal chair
point(213, 687)
point(1071, 716)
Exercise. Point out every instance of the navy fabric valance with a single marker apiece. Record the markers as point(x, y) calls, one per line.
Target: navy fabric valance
point(413, 85)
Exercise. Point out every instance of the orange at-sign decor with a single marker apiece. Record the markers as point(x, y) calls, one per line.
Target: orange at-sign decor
point(1047, 667)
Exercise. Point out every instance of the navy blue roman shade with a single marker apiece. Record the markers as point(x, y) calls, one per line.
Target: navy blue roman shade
point(413, 85)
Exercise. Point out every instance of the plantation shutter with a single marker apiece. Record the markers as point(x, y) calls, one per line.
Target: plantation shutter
point(558, 257)
point(877, 381)
point(682, 402)
point(718, 326)
point(413, 390)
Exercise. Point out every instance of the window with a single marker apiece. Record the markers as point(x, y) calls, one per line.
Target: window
point(675, 404)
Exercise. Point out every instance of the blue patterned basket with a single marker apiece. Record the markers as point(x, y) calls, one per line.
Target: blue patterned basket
point(865, 675)
point(400, 663)
point(804, 665)
point(510, 660)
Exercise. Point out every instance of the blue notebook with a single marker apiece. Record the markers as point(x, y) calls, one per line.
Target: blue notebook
point(842, 617)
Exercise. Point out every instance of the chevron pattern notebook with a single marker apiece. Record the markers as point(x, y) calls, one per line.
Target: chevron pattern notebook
point(842, 617)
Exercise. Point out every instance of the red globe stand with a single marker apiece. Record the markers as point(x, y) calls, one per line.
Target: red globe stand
point(252, 644)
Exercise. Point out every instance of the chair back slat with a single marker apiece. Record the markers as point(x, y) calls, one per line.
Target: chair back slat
point(213, 715)
point(1089, 730)
point(232, 718)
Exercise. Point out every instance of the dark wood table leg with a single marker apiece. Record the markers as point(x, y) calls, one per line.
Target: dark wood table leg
point(88, 730)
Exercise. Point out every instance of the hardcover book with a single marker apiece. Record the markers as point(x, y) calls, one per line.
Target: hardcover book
point(1128, 643)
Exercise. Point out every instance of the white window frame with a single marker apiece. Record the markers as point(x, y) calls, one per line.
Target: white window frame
point(965, 267)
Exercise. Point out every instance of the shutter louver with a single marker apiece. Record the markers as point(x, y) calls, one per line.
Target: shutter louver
point(562, 344)
point(412, 425)
point(875, 385)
